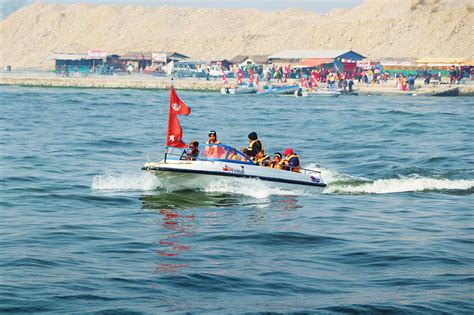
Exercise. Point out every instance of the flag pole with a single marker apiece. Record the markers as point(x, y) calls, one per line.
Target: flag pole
point(166, 147)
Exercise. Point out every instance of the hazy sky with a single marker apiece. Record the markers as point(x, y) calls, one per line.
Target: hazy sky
point(320, 6)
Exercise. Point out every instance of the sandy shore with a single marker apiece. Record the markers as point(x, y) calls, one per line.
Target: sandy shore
point(150, 82)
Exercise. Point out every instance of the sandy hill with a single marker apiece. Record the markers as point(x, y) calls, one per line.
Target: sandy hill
point(376, 28)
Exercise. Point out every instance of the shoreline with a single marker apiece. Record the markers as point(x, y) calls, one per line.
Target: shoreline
point(146, 82)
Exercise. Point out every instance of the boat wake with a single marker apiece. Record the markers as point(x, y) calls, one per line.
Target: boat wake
point(344, 184)
point(252, 188)
point(340, 184)
point(147, 182)
point(125, 182)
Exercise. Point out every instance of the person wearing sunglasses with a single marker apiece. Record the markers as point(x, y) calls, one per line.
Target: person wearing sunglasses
point(193, 150)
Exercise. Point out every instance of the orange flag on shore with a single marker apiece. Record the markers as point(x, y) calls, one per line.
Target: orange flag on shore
point(174, 136)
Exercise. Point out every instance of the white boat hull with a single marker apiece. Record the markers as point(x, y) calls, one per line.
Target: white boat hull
point(282, 90)
point(239, 90)
point(321, 93)
point(180, 174)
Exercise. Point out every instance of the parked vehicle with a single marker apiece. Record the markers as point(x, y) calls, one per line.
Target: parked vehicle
point(186, 69)
point(216, 71)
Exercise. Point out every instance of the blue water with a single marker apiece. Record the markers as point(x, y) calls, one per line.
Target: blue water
point(84, 230)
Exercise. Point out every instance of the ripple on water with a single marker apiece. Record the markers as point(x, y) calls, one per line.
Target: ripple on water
point(84, 230)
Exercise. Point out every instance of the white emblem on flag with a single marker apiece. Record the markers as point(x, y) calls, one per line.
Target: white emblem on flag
point(172, 138)
point(176, 107)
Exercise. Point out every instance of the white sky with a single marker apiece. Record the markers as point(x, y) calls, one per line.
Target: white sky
point(320, 6)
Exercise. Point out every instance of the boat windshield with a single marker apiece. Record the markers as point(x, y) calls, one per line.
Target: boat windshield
point(221, 152)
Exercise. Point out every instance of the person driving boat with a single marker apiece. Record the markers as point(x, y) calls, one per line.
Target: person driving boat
point(291, 162)
point(193, 151)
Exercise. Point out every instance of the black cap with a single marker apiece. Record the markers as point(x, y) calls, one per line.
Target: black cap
point(253, 136)
point(278, 154)
point(213, 132)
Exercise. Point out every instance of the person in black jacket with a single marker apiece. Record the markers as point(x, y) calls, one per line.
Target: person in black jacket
point(255, 146)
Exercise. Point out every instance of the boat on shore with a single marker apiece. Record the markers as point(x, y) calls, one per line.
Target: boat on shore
point(279, 89)
point(318, 93)
point(243, 89)
point(222, 161)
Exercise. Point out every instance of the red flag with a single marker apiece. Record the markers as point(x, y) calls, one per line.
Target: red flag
point(240, 74)
point(314, 81)
point(174, 134)
point(223, 77)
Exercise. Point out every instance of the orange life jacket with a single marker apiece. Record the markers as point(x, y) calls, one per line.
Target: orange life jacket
point(262, 159)
point(277, 166)
point(294, 169)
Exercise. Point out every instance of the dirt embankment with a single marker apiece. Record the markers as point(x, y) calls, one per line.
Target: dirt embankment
point(376, 28)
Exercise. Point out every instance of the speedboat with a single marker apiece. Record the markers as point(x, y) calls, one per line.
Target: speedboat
point(244, 89)
point(215, 161)
point(276, 89)
point(222, 161)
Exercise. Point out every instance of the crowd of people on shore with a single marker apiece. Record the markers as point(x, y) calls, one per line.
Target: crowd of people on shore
point(255, 152)
point(310, 77)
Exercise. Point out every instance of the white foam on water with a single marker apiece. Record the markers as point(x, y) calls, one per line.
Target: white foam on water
point(337, 184)
point(346, 184)
point(249, 187)
point(331, 176)
point(125, 182)
point(145, 182)
point(387, 186)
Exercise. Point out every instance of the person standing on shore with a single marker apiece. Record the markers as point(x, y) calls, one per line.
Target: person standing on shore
point(452, 75)
point(280, 74)
point(411, 82)
point(351, 84)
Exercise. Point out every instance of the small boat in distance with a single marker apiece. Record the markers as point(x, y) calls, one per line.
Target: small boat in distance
point(279, 89)
point(241, 89)
point(319, 93)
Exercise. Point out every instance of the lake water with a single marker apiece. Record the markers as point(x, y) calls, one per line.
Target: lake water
point(84, 230)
